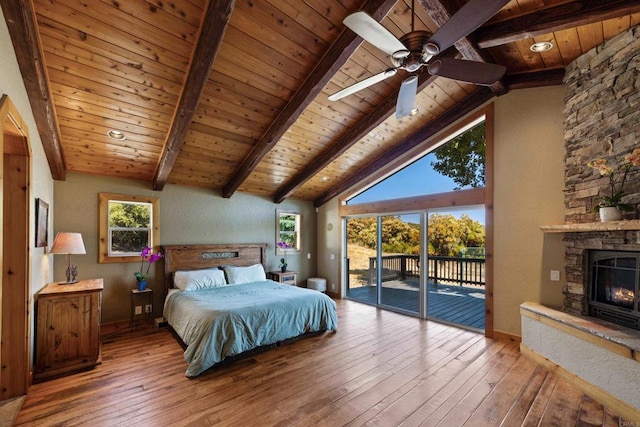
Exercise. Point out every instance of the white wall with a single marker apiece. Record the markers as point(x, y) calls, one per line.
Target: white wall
point(329, 242)
point(528, 192)
point(188, 215)
point(12, 85)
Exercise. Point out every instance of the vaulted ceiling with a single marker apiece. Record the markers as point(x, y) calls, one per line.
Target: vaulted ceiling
point(232, 95)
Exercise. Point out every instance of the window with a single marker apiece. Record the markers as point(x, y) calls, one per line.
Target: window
point(288, 229)
point(455, 163)
point(127, 225)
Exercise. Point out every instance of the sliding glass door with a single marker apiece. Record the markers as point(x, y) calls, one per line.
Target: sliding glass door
point(400, 262)
point(361, 255)
point(456, 267)
point(429, 264)
point(383, 261)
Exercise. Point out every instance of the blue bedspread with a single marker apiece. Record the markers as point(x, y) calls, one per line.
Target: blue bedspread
point(226, 321)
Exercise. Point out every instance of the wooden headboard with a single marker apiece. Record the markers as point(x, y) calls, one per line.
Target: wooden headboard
point(193, 257)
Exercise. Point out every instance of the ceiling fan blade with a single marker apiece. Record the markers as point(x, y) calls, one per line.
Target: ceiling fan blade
point(480, 73)
point(373, 32)
point(363, 84)
point(470, 16)
point(406, 97)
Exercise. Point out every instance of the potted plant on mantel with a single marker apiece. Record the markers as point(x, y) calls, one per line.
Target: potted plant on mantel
point(609, 206)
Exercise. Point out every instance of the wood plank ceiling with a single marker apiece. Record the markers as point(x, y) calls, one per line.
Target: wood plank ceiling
point(232, 95)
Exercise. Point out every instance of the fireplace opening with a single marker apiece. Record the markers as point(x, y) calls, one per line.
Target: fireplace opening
point(613, 287)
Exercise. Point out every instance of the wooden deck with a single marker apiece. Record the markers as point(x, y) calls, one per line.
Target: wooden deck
point(456, 304)
point(380, 368)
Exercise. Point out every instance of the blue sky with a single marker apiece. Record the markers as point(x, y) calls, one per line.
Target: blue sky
point(414, 180)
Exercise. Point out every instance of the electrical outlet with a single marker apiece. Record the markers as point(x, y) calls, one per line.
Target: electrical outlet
point(147, 308)
point(555, 275)
point(308, 256)
point(138, 309)
point(333, 286)
point(332, 256)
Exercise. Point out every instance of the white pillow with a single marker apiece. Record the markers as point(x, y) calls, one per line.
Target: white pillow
point(240, 275)
point(195, 280)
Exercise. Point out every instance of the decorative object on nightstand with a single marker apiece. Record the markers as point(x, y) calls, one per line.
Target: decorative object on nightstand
point(69, 243)
point(67, 328)
point(283, 261)
point(145, 255)
point(284, 277)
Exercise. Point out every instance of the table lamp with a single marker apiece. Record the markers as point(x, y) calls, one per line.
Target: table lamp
point(68, 243)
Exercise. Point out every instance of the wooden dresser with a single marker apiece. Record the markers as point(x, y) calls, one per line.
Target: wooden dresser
point(67, 328)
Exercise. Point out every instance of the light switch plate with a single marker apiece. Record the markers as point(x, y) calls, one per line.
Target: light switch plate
point(555, 275)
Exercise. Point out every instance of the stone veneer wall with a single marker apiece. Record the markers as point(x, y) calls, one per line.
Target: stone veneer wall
point(601, 120)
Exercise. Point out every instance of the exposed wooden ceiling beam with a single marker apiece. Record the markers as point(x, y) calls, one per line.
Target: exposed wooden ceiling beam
point(348, 140)
point(330, 63)
point(551, 77)
point(461, 109)
point(567, 15)
point(24, 36)
point(440, 15)
point(213, 27)
point(353, 135)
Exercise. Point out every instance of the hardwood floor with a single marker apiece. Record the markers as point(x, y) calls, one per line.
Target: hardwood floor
point(380, 368)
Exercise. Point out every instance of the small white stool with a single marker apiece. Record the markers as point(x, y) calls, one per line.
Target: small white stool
point(317, 284)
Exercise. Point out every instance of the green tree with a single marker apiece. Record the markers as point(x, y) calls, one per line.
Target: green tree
point(447, 235)
point(135, 218)
point(463, 158)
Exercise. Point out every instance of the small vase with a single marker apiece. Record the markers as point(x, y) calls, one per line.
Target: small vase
point(610, 213)
point(142, 285)
point(283, 268)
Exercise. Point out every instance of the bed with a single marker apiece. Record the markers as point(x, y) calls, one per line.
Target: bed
point(221, 305)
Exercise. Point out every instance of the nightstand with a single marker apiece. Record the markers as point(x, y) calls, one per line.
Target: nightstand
point(143, 299)
point(286, 278)
point(67, 328)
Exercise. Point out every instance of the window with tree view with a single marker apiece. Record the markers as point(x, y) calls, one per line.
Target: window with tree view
point(288, 229)
point(128, 224)
point(130, 227)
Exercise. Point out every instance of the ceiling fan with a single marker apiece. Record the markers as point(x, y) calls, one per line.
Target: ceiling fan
point(417, 48)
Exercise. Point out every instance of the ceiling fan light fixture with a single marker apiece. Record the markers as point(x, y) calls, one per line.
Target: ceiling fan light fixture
point(400, 54)
point(431, 48)
point(116, 135)
point(541, 47)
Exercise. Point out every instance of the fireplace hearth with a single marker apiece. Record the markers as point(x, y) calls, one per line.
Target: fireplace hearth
point(613, 286)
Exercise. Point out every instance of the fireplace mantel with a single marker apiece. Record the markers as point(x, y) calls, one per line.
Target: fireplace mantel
point(624, 225)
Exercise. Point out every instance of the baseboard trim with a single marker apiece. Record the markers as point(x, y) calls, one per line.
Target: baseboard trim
point(626, 411)
point(505, 336)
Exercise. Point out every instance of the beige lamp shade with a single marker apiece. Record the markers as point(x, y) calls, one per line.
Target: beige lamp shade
point(68, 243)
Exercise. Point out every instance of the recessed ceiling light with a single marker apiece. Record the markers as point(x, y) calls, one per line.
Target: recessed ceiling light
point(414, 111)
point(541, 47)
point(324, 179)
point(116, 134)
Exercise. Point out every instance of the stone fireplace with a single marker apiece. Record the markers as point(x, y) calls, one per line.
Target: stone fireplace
point(601, 120)
point(612, 286)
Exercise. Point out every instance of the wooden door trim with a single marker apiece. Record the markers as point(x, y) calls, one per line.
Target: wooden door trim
point(15, 286)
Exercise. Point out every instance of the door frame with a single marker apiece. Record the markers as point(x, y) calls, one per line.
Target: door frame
point(15, 193)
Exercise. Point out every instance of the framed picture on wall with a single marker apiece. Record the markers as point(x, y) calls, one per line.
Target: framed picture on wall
point(42, 223)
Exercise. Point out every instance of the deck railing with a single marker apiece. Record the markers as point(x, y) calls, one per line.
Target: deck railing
point(442, 269)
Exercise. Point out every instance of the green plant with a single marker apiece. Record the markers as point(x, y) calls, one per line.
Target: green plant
point(284, 246)
point(614, 172)
point(150, 258)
